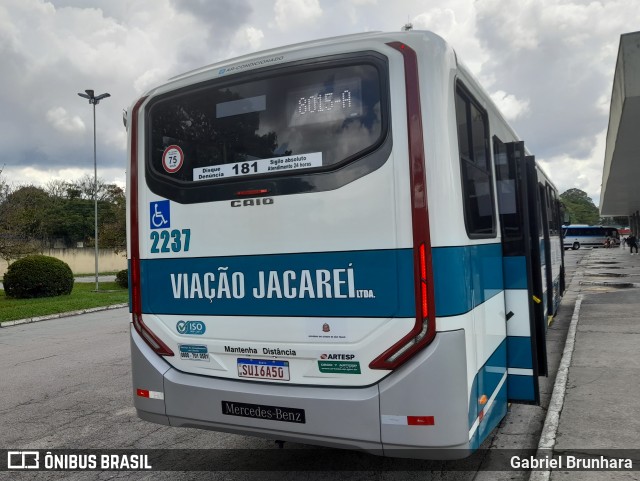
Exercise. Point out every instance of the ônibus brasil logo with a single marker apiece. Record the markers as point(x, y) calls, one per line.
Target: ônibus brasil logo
point(191, 327)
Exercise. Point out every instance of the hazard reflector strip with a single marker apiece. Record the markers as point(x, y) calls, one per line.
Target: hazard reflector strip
point(149, 394)
point(487, 407)
point(408, 420)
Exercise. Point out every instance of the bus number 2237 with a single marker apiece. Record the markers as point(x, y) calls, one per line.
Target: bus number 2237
point(170, 241)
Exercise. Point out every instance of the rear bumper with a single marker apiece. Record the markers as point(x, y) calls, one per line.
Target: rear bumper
point(366, 418)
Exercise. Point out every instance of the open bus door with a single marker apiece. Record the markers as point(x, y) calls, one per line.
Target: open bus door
point(541, 262)
point(519, 206)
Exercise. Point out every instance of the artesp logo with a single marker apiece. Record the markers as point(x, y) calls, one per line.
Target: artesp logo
point(221, 71)
point(196, 328)
point(341, 357)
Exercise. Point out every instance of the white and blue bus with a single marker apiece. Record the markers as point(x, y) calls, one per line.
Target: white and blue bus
point(576, 236)
point(340, 243)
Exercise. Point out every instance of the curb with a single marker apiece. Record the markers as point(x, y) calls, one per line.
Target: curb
point(547, 440)
point(552, 420)
point(61, 314)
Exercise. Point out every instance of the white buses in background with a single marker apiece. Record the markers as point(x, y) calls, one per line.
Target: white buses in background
point(338, 243)
point(576, 236)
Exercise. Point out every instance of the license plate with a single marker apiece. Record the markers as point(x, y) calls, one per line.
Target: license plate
point(263, 369)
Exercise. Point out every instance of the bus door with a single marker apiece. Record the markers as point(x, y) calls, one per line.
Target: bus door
point(541, 261)
point(546, 203)
point(519, 206)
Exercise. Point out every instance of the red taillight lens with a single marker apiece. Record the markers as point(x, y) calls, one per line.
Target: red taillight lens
point(424, 329)
point(424, 297)
point(149, 337)
point(252, 192)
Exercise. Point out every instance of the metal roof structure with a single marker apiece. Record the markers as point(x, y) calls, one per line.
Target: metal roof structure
point(621, 174)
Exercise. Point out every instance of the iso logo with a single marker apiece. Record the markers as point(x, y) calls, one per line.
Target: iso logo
point(23, 460)
point(194, 328)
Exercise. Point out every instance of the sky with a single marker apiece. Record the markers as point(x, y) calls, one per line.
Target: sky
point(548, 64)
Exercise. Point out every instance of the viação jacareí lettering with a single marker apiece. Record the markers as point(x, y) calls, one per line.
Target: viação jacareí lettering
point(337, 283)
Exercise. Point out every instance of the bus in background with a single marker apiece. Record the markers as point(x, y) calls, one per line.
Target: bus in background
point(575, 236)
point(339, 243)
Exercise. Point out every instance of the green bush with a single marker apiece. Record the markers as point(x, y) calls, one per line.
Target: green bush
point(122, 278)
point(38, 276)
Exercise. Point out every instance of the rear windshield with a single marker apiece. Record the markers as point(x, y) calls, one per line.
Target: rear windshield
point(290, 122)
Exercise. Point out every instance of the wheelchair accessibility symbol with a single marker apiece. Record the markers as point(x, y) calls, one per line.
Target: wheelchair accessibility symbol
point(159, 214)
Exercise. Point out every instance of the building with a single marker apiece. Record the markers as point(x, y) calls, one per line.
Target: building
point(621, 174)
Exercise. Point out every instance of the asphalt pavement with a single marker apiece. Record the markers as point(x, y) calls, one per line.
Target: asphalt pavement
point(596, 413)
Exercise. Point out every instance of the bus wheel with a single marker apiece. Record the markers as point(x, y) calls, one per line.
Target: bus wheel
point(576, 246)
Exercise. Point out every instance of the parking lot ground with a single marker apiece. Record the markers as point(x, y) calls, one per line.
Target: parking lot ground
point(67, 385)
point(600, 412)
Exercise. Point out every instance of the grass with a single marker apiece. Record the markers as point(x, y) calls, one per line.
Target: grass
point(83, 296)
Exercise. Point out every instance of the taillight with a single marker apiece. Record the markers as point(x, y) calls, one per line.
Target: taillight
point(424, 329)
point(149, 337)
point(424, 297)
point(252, 192)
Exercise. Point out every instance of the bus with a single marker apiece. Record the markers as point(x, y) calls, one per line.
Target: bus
point(340, 243)
point(575, 236)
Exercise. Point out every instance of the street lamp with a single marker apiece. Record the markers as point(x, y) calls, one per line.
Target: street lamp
point(93, 100)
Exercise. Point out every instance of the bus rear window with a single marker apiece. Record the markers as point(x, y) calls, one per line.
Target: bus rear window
point(292, 122)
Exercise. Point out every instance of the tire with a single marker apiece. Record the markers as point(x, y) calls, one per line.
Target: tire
point(575, 246)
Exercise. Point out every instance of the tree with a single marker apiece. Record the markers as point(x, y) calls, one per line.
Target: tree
point(57, 188)
point(13, 246)
point(72, 213)
point(580, 207)
point(22, 217)
point(113, 219)
point(32, 218)
point(4, 186)
point(70, 220)
point(24, 211)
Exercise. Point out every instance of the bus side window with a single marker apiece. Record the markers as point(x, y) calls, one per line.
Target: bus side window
point(552, 213)
point(475, 167)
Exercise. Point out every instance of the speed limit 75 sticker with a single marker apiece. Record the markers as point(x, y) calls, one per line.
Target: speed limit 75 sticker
point(172, 159)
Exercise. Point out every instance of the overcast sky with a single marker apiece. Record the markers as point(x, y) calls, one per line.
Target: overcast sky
point(548, 64)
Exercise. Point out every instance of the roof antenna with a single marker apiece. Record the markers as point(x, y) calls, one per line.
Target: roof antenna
point(407, 26)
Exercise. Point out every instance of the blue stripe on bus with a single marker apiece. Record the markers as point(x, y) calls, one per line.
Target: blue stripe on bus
point(487, 379)
point(515, 272)
point(466, 276)
point(376, 283)
point(520, 388)
point(519, 352)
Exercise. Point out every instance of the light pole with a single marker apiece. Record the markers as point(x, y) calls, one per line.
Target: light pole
point(93, 100)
